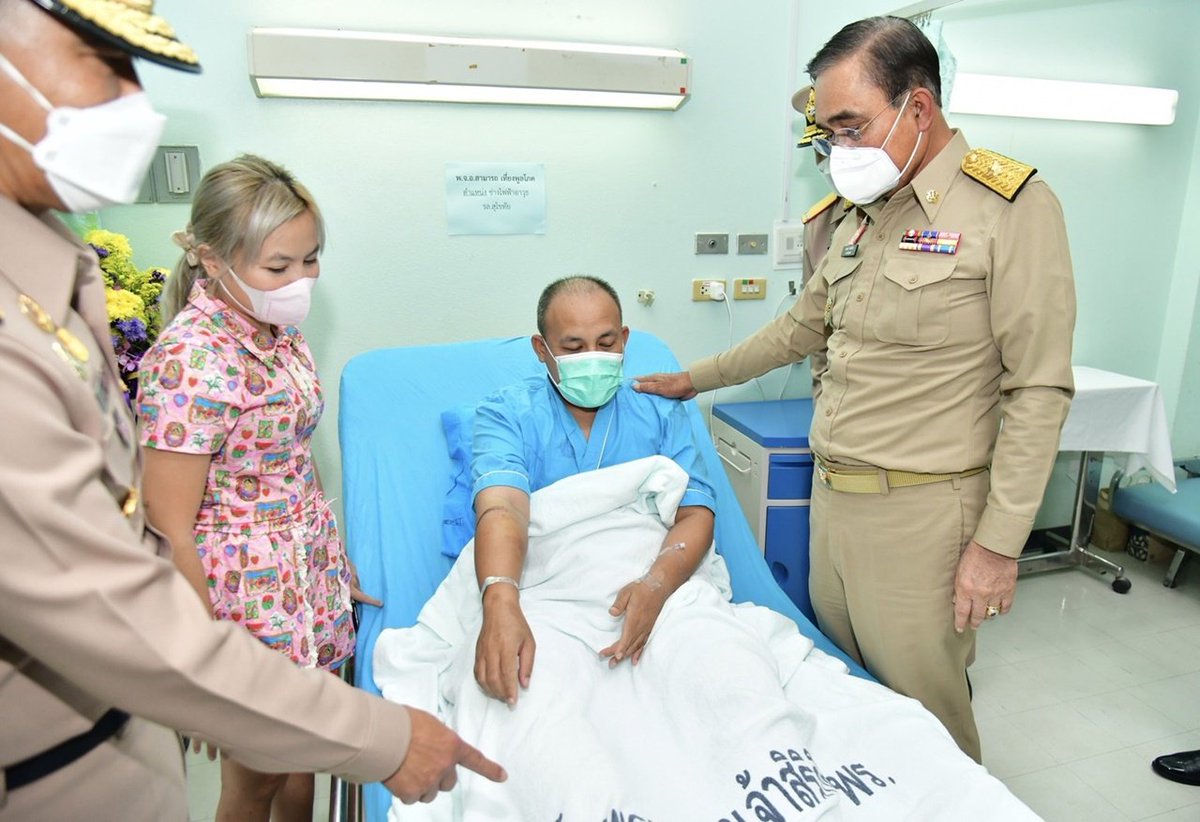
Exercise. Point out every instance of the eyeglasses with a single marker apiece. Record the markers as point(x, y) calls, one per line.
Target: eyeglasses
point(852, 136)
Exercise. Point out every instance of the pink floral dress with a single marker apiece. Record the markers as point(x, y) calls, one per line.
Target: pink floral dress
point(213, 384)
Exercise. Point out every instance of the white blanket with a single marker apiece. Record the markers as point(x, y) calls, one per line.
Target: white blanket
point(731, 714)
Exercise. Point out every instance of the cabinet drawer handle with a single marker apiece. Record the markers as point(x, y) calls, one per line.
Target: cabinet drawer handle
point(727, 460)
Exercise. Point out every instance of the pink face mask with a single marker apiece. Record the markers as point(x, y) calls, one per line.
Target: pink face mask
point(283, 306)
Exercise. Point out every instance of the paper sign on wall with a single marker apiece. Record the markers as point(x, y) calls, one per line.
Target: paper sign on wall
point(495, 198)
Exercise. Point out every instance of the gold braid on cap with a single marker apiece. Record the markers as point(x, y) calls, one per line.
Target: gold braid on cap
point(187, 241)
point(134, 22)
point(810, 108)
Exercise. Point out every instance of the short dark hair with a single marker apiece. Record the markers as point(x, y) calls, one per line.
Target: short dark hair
point(898, 56)
point(575, 284)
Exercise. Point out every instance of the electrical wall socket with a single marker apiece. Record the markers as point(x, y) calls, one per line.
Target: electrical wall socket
point(750, 288)
point(707, 289)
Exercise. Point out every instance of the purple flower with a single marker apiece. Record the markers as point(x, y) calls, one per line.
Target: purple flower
point(101, 251)
point(133, 329)
point(157, 276)
point(130, 361)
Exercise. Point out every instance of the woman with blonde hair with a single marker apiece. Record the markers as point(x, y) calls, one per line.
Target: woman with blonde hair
point(228, 400)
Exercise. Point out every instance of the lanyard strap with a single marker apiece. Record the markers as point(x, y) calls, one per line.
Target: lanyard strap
point(862, 229)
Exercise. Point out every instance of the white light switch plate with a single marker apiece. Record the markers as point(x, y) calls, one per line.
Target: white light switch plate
point(787, 244)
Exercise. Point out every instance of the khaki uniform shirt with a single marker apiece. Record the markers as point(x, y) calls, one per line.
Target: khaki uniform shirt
point(928, 352)
point(818, 232)
point(92, 613)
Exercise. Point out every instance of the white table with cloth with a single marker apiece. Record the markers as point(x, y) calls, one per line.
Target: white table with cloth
point(1124, 418)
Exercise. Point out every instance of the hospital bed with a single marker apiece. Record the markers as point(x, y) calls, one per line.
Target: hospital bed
point(396, 472)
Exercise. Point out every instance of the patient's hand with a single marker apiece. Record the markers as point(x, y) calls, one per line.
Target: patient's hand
point(641, 601)
point(678, 385)
point(505, 649)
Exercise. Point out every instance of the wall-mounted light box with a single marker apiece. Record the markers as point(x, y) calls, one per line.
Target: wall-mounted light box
point(1062, 100)
point(383, 66)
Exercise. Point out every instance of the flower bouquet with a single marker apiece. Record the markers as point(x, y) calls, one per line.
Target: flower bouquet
point(132, 297)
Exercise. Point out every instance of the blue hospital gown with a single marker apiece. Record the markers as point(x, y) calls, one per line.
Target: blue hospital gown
point(526, 438)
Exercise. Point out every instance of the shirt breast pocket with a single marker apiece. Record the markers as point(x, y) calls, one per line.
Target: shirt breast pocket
point(838, 275)
point(916, 292)
point(837, 269)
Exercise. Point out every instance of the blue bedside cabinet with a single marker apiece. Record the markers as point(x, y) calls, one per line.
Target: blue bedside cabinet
point(764, 446)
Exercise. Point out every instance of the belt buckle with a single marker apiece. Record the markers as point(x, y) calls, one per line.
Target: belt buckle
point(823, 475)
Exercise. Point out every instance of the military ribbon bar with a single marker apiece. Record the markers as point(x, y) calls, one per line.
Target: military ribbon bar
point(930, 240)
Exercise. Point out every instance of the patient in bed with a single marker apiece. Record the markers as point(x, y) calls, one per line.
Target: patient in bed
point(587, 635)
point(580, 416)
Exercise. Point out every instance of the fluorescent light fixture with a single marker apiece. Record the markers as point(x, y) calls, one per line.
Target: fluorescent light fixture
point(361, 65)
point(1062, 100)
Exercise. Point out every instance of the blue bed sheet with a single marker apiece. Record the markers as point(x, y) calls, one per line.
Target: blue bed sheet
point(396, 473)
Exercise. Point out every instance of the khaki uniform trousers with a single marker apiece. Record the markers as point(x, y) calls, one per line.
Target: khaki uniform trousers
point(882, 580)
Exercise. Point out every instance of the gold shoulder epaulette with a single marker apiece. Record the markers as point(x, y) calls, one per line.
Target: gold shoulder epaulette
point(1001, 174)
point(820, 206)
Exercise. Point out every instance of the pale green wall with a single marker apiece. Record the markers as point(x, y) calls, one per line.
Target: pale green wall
point(1180, 353)
point(626, 190)
point(1124, 188)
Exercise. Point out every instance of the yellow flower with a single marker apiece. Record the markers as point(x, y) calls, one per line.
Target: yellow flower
point(124, 305)
point(117, 244)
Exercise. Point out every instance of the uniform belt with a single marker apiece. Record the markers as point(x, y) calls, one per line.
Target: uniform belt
point(868, 480)
point(64, 753)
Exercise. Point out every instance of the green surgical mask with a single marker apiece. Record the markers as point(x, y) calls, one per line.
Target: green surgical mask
point(589, 379)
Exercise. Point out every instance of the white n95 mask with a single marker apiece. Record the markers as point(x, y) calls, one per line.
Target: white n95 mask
point(823, 167)
point(283, 306)
point(95, 156)
point(862, 175)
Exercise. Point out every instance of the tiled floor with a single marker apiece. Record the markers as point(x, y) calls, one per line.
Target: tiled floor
point(1078, 688)
point(1076, 691)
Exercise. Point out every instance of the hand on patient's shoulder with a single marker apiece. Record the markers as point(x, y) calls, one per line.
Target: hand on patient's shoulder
point(431, 764)
point(676, 386)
